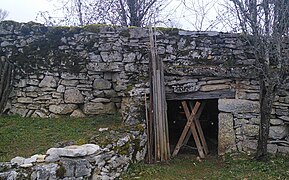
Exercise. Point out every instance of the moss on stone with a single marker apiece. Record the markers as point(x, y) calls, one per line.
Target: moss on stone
point(94, 28)
point(125, 33)
point(140, 128)
point(60, 171)
point(170, 31)
point(122, 150)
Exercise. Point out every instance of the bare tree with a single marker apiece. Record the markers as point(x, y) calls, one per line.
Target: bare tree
point(202, 15)
point(118, 12)
point(3, 14)
point(264, 24)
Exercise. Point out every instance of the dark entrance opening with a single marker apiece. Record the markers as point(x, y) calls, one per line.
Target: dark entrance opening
point(208, 120)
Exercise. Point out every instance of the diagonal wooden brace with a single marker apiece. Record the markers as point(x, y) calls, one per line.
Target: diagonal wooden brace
point(189, 125)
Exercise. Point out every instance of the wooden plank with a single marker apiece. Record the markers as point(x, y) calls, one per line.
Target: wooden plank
point(187, 126)
point(160, 116)
point(199, 128)
point(197, 141)
point(193, 126)
point(166, 128)
point(196, 117)
point(201, 135)
point(226, 93)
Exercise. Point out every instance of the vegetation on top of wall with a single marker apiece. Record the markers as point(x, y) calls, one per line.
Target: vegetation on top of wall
point(168, 30)
point(95, 28)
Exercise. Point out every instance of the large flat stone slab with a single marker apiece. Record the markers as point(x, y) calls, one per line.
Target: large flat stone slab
point(74, 151)
point(62, 108)
point(238, 106)
point(226, 137)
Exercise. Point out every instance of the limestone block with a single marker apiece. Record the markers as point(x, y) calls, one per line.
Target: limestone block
point(255, 120)
point(282, 112)
point(39, 113)
point(241, 121)
point(74, 150)
point(182, 81)
point(100, 100)
point(31, 160)
point(284, 118)
point(70, 76)
point(18, 160)
point(131, 67)
point(82, 168)
point(249, 96)
point(185, 88)
point(110, 93)
point(283, 149)
point(249, 145)
point(19, 110)
point(101, 84)
point(30, 89)
point(94, 58)
point(5, 43)
point(77, 114)
point(73, 96)
point(238, 106)
point(278, 132)
point(272, 148)
point(98, 93)
point(33, 106)
point(130, 57)
point(284, 99)
point(99, 108)
point(226, 137)
point(138, 32)
point(45, 171)
point(105, 67)
point(62, 108)
point(276, 122)
point(251, 130)
point(214, 87)
point(112, 56)
point(72, 83)
point(33, 82)
point(218, 81)
point(93, 108)
point(48, 81)
point(25, 100)
point(32, 94)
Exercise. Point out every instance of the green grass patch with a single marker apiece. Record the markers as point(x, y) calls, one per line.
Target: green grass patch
point(27, 136)
point(188, 167)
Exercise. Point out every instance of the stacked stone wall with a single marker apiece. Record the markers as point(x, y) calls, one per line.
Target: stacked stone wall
point(72, 71)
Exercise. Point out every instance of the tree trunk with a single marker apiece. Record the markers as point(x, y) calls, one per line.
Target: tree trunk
point(267, 96)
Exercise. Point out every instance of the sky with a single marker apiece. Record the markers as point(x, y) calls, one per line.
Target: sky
point(27, 10)
point(24, 10)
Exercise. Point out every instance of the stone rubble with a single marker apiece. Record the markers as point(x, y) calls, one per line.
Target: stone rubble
point(88, 161)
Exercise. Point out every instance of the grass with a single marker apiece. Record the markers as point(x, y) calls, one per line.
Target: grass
point(27, 136)
point(188, 167)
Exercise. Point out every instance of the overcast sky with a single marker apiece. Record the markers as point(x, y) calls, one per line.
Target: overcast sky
point(27, 10)
point(24, 10)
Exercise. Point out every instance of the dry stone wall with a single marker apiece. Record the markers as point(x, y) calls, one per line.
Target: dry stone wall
point(96, 69)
